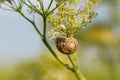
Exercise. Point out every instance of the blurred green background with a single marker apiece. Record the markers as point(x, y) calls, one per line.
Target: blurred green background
point(99, 52)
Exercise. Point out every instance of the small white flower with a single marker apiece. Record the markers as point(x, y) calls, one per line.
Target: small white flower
point(53, 34)
point(62, 27)
point(57, 32)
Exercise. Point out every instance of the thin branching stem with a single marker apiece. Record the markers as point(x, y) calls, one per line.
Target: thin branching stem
point(79, 75)
point(75, 69)
point(33, 7)
point(7, 9)
point(56, 7)
point(20, 4)
point(70, 59)
point(9, 6)
point(15, 4)
point(32, 22)
point(44, 30)
point(50, 4)
point(42, 7)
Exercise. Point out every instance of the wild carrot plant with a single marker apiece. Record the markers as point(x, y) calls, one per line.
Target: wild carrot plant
point(66, 18)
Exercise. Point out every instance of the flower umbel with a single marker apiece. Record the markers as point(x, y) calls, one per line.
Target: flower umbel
point(72, 18)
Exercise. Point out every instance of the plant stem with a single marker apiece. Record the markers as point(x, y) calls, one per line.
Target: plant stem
point(50, 4)
point(56, 7)
point(79, 75)
point(69, 57)
point(51, 50)
point(75, 70)
point(46, 43)
point(44, 28)
point(42, 7)
point(34, 25)
point(33, 7)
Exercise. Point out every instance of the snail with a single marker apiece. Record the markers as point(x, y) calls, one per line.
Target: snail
point(66, 45)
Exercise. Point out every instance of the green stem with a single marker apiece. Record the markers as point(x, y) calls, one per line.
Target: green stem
point(7, 9)
point(50, 4)
point(34, 25)
point(56, 7)
point(44, 24)
point(46, 43)
point(79, 75)
point(42, 7)
point(15, 4)
point(9, 6)
point(51, 50)
point(32, 7)
point(75, 70)
point(69, 57)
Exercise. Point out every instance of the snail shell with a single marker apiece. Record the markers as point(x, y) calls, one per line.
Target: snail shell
point(67, 45)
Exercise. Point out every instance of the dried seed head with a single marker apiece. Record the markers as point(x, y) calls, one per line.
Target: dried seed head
point(67, 45)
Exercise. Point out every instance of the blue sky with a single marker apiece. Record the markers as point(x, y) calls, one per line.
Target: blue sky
point(18, 39)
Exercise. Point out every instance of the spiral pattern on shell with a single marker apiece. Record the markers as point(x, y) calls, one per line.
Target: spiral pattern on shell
point(67, 45)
